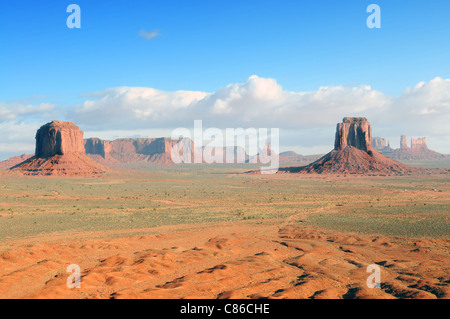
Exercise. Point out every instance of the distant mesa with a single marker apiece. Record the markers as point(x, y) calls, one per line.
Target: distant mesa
point(289, 154)
point(353, 153)
point(59, 152)
point(62, 151)
point(418, 151)
point(58, 138)
point(380, 144)
point(293, 157)
point(156, 151)
point(131, 150)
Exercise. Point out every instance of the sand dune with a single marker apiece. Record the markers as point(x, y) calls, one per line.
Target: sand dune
point(241, 260)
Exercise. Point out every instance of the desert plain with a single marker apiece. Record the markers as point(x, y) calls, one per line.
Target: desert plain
point(213, 231)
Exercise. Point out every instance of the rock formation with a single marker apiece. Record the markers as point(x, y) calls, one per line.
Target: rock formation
point(418, 151)
point(353, 131)
point(293, 157)
point(59, 138)
point(419, 143)
point(353, 153)
point(59, 152)
point(13, 161)
point(380, 143)
point(131, 150)
point(403, 143)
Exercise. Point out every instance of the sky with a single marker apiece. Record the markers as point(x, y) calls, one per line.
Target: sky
point(143, 68)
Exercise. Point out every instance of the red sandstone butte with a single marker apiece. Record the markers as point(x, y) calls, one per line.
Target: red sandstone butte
point(60, 152)
point(418, 151)
point(353, 153)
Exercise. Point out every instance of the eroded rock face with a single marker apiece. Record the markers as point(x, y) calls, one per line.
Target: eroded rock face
point(60, 152)
point(379, 143)
point(59, 138)
point(419, 143)
point(418, 151)
point(129, 150)
point(353, 154)
point(97, 146)
point(403, 142)
point(354, 131)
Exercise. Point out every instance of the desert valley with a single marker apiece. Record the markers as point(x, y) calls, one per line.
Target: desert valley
point(140, 226)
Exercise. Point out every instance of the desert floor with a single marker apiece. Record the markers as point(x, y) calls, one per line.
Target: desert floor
point(211, 232)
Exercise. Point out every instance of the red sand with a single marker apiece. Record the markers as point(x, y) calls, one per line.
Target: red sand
point(241, 260)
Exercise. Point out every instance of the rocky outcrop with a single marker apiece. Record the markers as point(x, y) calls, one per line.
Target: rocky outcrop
point(13, 161)
point(293, 157)
point(379, 143)
point(418, 151)
point(355, 132)
point(131, 150)
point(419, 144)
point(354, 154)
point(59, 138)
point(403, 142)
point(60, 152)
point(97, 146)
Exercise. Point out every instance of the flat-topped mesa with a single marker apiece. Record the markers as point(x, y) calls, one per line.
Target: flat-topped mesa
point(97, 146)
point(419, 143)
point(129, 150)
point(354, 131)
point(59, 138)
point(379, 143)
point(416, 143)
point(60, 152)
point(418, 151)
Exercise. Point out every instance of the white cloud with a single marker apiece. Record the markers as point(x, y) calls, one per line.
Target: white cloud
point(423, 110)
point(17, 111)
point(17, 138)
point(256, 102)
point(149, 35)
point(135, 108)
point(306, 118)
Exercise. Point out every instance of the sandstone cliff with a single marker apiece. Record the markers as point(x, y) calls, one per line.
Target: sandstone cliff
point(355, 132)
point(59, 152)
point(131, 150)
point(418, 151)
point(353, 153)
point(59, 138)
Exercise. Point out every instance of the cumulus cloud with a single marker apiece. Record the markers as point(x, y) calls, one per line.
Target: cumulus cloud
point(17, 111)
point(422, 110)
point(307, 119)
point(136, 108)
point(17, 138)
point(149, 35)
point(18, 125)
point(426, 107)
point(256, 102)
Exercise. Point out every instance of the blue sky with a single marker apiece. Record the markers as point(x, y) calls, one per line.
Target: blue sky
point(207, 45)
